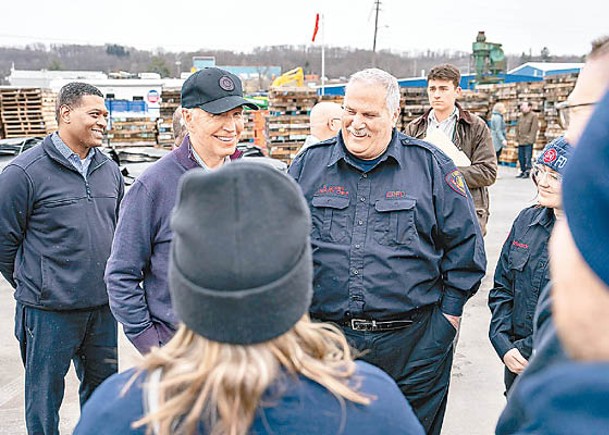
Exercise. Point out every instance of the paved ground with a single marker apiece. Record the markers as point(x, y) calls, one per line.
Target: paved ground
point(475, 399)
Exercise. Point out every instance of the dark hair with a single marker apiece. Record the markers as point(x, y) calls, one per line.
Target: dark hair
point(600, 47)
point(70, 95)
point(445, 71)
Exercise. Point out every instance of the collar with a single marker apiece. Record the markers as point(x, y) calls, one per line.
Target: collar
point(184, 156)
point(339, 150)
point(545, 218)
point(454, 115)
point(464, 115)
point(66, 151)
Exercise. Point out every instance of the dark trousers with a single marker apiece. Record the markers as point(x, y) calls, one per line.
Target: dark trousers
point(508, 379)
point(525, 154)
point(49, 340)
point(419, 359)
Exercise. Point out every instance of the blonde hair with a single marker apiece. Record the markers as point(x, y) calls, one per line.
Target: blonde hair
point(221, 385)
point(499, 107)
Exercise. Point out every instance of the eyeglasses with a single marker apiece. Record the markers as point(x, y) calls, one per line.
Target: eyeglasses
point(564, 108)
point(553, 178)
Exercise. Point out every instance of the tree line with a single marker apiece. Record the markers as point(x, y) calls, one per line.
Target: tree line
point(340, 61)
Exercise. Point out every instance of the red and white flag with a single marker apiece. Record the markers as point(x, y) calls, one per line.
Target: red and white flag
point(316, 29)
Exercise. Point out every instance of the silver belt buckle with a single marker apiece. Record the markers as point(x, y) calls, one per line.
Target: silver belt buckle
point(362, 324)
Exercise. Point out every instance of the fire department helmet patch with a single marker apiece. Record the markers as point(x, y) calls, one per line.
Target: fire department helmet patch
point(456, 182)
point(549, 156)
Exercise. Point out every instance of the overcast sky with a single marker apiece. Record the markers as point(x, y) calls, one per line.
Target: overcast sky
point(240, 25)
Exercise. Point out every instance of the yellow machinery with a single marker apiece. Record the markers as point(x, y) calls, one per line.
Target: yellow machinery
point(294, 77)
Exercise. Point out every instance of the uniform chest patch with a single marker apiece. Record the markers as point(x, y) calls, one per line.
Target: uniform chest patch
point(456, 182)
point(333, 190)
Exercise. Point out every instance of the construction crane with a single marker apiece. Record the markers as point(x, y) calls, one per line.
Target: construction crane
point(489, 60)
point(294, 77)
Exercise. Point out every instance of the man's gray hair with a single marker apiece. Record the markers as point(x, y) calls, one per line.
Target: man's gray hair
point(383, 78)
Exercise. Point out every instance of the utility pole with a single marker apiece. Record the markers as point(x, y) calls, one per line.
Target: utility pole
point(377, 6)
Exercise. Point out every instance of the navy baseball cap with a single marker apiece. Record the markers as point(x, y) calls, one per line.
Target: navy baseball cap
point(214, 90)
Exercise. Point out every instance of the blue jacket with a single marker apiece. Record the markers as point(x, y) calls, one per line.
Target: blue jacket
point(136, 274)
point(56, 228)
point(498, 130)
point(567, 398)
point(521, 272)
point(397, 237)
point(304, 407)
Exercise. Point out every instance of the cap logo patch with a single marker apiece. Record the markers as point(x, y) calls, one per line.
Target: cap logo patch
point(227, 83)
point(456, 182)
point(549, 156)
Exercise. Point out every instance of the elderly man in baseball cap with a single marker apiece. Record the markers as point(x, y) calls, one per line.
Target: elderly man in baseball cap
point(136, 274)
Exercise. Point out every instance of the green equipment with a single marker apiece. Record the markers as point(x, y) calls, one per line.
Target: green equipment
point(489, 60)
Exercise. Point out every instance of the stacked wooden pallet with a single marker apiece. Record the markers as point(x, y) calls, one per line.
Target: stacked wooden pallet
point(133, 132)
point(27, 112)
point(170, 100)
point(556, 89)
point(288, 122)
point(413, 102)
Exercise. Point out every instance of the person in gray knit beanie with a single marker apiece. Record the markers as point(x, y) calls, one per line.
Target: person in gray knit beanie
point(240, 271)
point(247, 358)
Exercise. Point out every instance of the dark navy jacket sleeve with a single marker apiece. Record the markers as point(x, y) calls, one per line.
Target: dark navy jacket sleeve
point(15, 207)
point(501, 302)
point(464, 261)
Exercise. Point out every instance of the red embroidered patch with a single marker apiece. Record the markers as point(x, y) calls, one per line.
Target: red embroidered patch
point(333, 190)
point(520, 245)
point(395, 194)
point(549, 156)
point(456, 182)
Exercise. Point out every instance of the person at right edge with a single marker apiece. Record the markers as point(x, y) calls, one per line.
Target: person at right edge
point(466, 130)
point(523, 269)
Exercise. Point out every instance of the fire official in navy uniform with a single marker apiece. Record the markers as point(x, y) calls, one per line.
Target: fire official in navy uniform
point(397, 249)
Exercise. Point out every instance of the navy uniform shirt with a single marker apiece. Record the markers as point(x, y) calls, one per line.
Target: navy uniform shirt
point(521, 272)
point(391, 238)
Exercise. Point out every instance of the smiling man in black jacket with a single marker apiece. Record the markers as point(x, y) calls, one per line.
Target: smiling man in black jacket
point(58, 210)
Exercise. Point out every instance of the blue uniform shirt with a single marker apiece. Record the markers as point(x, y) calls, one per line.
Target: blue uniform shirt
point(521, 273)
point(399, 236)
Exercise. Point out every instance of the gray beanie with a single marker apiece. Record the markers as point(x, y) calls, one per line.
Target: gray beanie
point(240, 269)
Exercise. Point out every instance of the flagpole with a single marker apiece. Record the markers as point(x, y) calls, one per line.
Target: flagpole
point(323, 54)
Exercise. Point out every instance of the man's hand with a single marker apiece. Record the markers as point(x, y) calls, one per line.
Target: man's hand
point(514, 361)
point(454, 320)
point(504, 142)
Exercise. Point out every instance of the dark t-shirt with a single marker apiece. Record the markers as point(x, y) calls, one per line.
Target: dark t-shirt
point(302, 407)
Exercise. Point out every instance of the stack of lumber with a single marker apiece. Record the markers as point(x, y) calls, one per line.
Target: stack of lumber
point(27, 112)
point(133, 132)
point(476, 102)
point(288, 123)
point(557, 89)
point(170, 100)
point(413, 102)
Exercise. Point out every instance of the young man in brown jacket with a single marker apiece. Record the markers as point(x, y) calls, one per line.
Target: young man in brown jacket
point(526, 134)
point(468, 132)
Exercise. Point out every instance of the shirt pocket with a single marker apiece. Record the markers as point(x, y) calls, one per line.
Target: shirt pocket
point(329, 215)
point(394, 222)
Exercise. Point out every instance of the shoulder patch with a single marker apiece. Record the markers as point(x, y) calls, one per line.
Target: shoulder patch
point(456, 182)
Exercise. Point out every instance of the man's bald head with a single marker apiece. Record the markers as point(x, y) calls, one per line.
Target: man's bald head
point(325, 120)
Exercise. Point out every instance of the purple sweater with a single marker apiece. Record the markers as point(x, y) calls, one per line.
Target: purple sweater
point(136, 273)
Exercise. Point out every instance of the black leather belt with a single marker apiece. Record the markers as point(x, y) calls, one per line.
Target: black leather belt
point(377, 325)
point(373, 325)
